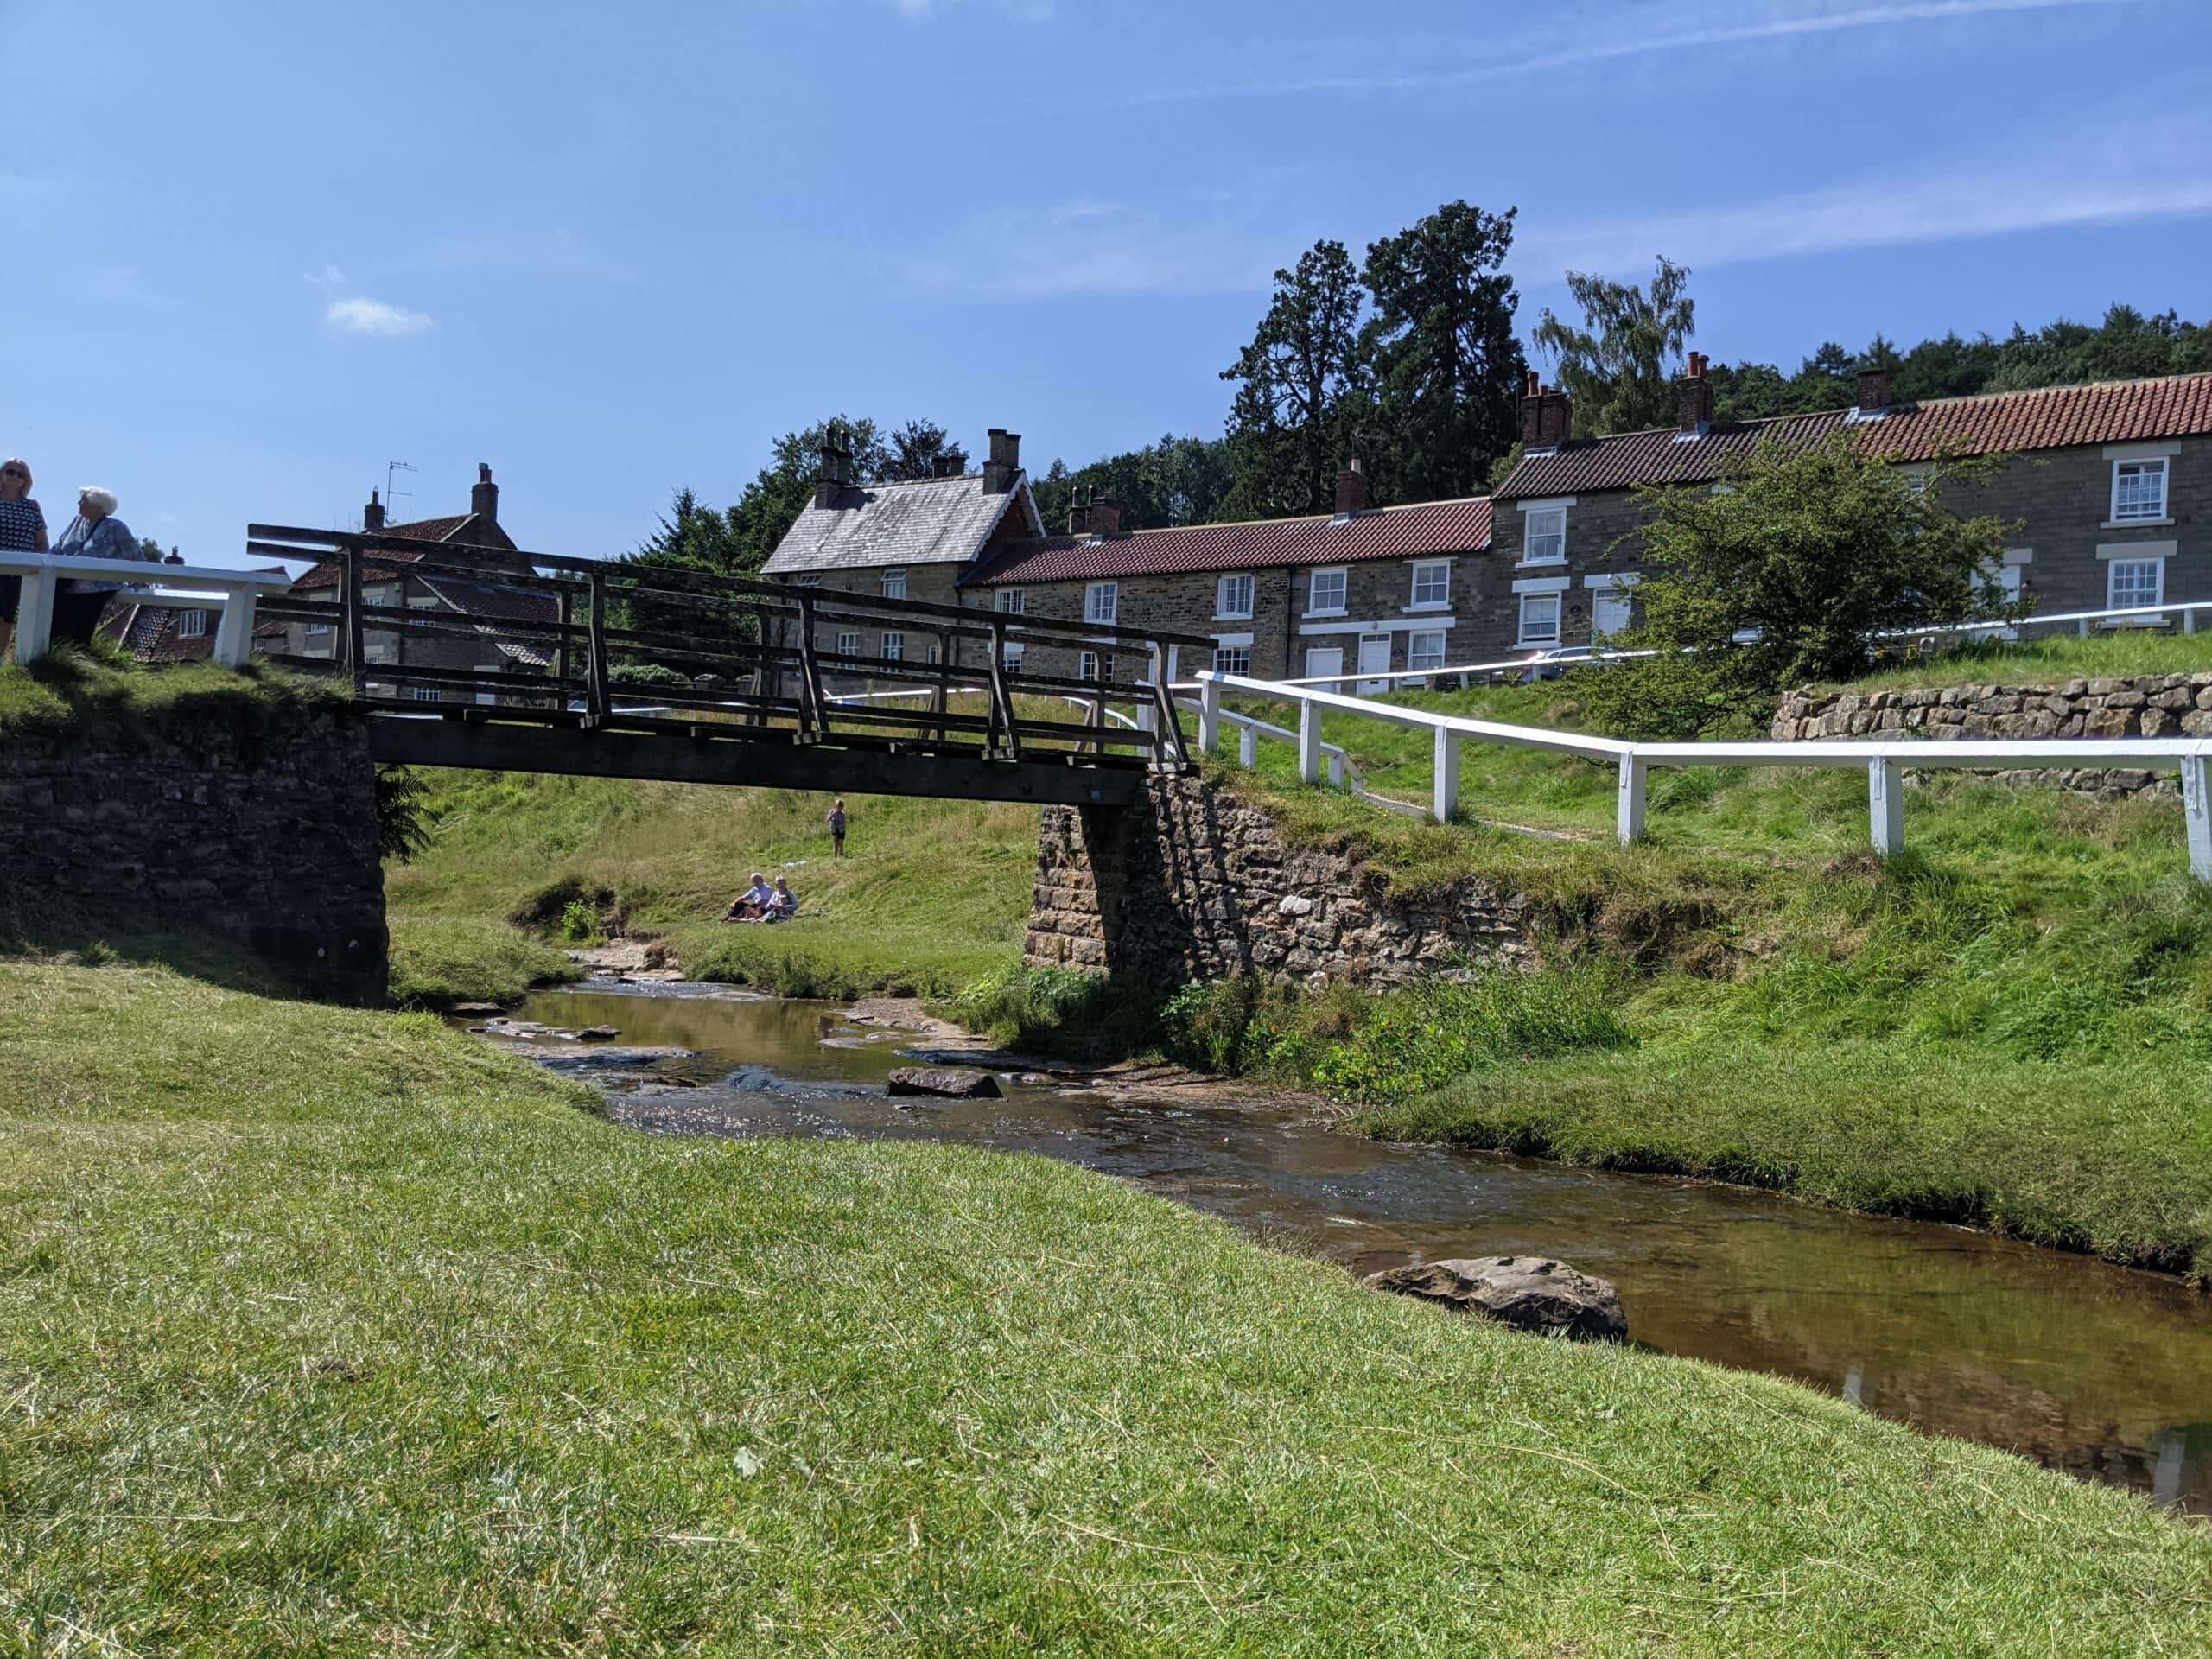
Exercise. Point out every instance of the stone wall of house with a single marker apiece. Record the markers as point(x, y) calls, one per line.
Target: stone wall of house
point(2161, 705)
point(236, 819)
point(1192, 885)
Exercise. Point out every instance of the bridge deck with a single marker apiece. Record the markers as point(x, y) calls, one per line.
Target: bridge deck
point(540, 663)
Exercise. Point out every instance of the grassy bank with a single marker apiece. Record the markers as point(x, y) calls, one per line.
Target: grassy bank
point(335, 1329)
point(933, 895)
point(2052, 661)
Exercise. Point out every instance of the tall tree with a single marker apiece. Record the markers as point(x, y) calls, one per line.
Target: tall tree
point(1174, 481)
point(771, 503)
point(1621, 364)
point(1302, 389)
point(1447, 365)
point(912, 451)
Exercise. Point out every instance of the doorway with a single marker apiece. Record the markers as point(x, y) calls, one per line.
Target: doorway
point(1374, 658)
point(1325, 662)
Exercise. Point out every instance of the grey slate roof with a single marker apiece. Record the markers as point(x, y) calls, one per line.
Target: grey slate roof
point(930, 521)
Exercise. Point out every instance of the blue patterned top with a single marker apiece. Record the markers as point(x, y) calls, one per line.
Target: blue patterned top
point(20, 524)
point(111, 538)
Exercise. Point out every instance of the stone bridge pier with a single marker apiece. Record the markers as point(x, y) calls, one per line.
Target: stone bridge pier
point(1190, 884)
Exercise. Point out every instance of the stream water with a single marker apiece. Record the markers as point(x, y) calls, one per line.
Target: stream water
point(2095, 1370)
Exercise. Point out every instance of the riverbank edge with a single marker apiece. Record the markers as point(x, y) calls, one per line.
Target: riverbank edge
point(503, 1261)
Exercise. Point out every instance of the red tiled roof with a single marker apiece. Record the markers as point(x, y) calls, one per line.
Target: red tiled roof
point(390, 559)
point(2049, 417)
point(1266, 543)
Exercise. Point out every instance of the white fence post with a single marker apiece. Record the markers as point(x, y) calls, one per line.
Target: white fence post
point(1885, 805)
point(1247, 747)
point(1447, 774)
point(234, 633)
point(35, 617)
point(1209, 714)
point(1336, 771)
point(2196, 808)
point(1628, 815)
point(1309, 743)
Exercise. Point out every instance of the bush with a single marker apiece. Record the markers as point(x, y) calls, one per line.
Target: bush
point(1059, 1011)
point(579, 923)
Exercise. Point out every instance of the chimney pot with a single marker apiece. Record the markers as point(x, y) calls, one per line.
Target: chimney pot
point(1105, 514)
point(372, 515)
point(1873, 391)
point(1079, 511)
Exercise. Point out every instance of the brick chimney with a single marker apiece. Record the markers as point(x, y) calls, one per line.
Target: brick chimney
point(1873, 393)
point(836, 457)
point(1547, 415)
point(951, 464)
point(1003, 461)
point(1105, 514)
point(1697, 400)
point(372, 515)
point(484, 499)
point(1351, 487)
point(1079, 511)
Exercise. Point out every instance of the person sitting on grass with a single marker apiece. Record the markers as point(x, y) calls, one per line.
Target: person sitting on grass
point(753, 903)
point(784, 904)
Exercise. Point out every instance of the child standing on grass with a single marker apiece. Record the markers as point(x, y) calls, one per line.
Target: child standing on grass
point(838, 829)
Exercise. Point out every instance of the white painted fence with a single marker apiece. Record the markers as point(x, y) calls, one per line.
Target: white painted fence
point(185, 587)
point(1884, 759)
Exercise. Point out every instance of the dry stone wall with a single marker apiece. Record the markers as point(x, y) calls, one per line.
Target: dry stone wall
point(2162, 705)
point(1189, 885)
point(244, 820)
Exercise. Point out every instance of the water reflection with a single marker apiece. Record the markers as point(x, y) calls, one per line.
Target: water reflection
point(2101, 1372)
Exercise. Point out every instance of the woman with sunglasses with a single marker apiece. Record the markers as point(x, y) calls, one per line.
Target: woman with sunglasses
point(22, 527)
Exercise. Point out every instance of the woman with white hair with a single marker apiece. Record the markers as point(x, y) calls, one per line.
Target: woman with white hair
point(22, 527)
point(94, 533)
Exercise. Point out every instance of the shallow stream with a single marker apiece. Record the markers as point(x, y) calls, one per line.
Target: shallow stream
point(2096, 1369)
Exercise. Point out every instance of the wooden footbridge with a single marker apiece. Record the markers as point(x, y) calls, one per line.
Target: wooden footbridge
point(530, 662)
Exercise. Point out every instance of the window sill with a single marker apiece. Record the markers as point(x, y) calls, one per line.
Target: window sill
point(1429, 608)
point(1540, 564)
point(1339, 611)
point(2122, 624)
point(1232, 616)
point(2136, 523)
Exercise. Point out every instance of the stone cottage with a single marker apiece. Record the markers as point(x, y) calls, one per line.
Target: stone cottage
point(2110, 483)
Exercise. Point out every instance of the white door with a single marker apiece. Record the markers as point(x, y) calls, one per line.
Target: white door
point(1610, 609)
point(1374, 658)
point(1325, 661)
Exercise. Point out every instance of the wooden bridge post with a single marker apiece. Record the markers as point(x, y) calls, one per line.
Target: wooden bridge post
point(945, 672)
point(561, 651)
point(1167, 729)
point(758, 716)
point(356, 649)
point(596, 693)
point(1003, 720)
point(813, 719)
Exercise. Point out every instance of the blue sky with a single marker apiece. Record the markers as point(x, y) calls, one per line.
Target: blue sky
point(253, 253)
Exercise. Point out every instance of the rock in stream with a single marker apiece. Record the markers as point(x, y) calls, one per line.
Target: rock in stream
point(1534, 1292)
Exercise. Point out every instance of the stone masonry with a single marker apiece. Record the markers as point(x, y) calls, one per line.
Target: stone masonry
point(1190, 885)
point(2160, 705)
point(250, 822)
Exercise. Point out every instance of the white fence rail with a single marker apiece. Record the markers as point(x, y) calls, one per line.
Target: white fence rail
point(186, 586)
point(1884, 760)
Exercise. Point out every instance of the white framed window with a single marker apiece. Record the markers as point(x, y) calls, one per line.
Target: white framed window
point(936, 652)
point(1012, 602)
point(848, 644)
point(1432, 585)
point(192, 625)
point(1544, 535)
point(1012, 659)
point(2139, 490)
point(2132, 584)
point(1232, 659)
point(380, 647)
point(894, 582)
point(422, 601)
point(1093, 666)
point(812, 580)
point(380, 593)
point(1540, 619)
point(1102, 601)
point(894, 647)
point(1425, 649)
point(1325, 593)
point(426, 694)
point(1233, 597)
point(318, 639)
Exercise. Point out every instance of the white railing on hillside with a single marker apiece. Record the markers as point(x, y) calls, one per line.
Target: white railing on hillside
point(182, 587)
point(1884, 759)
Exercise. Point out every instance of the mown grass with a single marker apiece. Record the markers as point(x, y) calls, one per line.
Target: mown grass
point(335, 1330)
point(930, 896)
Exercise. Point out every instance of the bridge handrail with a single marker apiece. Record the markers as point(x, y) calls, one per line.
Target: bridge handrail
point(495, 564)
point(236, 591)
point(1883, 758)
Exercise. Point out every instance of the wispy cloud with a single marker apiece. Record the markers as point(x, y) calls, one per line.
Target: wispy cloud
point(1026, 11)
point(2071, 179)
point(351, 312)
point(1634, 35)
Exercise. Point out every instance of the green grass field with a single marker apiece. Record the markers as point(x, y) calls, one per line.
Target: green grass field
point(337, 1331)
point(2051, 661)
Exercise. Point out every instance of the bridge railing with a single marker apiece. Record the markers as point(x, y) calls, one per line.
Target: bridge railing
point(235, 593)
point(1884, 760)
point(531, 636)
